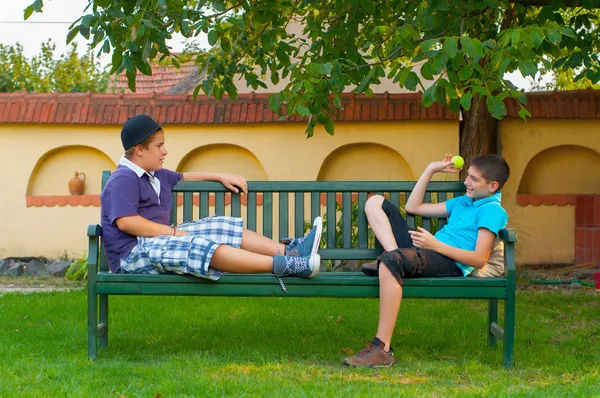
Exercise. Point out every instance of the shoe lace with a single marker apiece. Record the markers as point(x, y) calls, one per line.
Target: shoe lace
point(369, 348)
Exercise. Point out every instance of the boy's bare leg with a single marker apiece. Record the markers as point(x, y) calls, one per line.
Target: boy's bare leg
point(239, 261)
point(390, 296)
point(257, 243)
point(380, 223)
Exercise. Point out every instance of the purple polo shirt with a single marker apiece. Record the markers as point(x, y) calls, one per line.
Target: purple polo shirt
point(126, 194)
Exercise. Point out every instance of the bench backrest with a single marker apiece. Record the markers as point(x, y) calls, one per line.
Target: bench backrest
point(279, 209)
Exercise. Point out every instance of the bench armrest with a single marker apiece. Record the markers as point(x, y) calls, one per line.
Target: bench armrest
point(508, 235)
point(94, 232)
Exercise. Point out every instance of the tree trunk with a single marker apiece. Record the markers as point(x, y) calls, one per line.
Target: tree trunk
point(478, 132)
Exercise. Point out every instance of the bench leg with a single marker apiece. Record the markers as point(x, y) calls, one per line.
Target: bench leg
point(492, 318)
point(92, 322)
point(103, 326)
point(509, 330)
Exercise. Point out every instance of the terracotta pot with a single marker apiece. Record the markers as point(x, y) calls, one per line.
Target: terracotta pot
point(76, 184)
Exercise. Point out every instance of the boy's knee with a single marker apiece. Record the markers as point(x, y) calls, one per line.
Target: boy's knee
point(395, 259)
point(374, 203)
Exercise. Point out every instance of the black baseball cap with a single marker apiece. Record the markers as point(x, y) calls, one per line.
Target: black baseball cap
point(136, 129)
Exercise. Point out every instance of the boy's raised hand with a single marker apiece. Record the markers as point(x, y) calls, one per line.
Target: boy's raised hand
point(234, 182)
point(444, 166)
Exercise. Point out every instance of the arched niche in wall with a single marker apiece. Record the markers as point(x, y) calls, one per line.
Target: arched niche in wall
point(224, 158)
point(565, 169)
point(365, 162)
point(56, 167)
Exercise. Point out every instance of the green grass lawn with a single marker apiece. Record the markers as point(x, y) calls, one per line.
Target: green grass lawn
point(195, 346)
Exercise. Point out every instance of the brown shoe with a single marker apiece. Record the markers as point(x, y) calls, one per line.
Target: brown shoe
point(370, 269)
point(372, 356)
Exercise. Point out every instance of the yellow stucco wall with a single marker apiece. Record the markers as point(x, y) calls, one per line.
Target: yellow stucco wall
point(548, 157)
point(280, 151)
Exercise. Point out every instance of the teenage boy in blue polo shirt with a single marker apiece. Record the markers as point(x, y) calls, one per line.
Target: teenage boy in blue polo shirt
point(136, 206)
point(459, 247)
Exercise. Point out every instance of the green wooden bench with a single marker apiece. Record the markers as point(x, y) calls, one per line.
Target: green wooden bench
point(291, 202)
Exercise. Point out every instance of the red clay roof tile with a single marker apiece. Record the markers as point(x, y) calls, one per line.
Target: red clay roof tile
point(87, 108)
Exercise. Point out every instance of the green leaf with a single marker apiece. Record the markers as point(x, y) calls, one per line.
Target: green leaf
point(479, 90)
point(130, 80)
point(329, 125)
point(275, 103)
point(496, 107)
point(72, 33)
point(465, 101)
point(426, 71)
point(429, 95)
point(538, 39)
point(102, 3)
point(143, 66)
point(527, 68)
point(364, 84)
point(225, 44)
point(27, 12)
point(129, 65)
point(412, 81)
point(555, 37)
point(454, 105)
point(196, 92)
point(524, 113)
point(212, 37)
point(468, 46)
point(515, 36)
point(451, 47)
point(465, 72)
point(87, 21)
point(302, 110)
point(308, 86)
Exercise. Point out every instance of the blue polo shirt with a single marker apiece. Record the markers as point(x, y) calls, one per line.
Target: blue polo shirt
point(131, 191)
point(466, 216)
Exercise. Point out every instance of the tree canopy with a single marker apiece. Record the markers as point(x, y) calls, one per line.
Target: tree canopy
point(45, 73)
point(464, 47)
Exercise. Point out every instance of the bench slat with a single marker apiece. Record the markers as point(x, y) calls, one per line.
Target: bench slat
point(188, 202)
point(299, 214)
point(323, 186)
point(220, 203)
point(283, 215)
point(221, 289)
point(331, 220)
point(363, 227)
point(268, 214)
point(251, 217)
point(410, 219)
point(325, 278)
point(346, 220)
point(442, 221)
point(315, 205)
point(426, 221)
point(236, 205)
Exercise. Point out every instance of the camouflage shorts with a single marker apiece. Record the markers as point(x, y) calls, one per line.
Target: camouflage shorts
point(418, 263)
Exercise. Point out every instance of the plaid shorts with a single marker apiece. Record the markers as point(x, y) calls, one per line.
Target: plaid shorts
point(189, 254)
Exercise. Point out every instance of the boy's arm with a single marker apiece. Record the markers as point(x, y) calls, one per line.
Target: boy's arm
point(415, 203)
point(230, 181)
point(477, 258)
point(140, 226)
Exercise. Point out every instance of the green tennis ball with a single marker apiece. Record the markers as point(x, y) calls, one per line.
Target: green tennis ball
point(458, 161)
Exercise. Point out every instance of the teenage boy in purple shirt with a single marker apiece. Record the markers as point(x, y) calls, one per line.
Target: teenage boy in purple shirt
point(465, 243)
point(136, 205)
